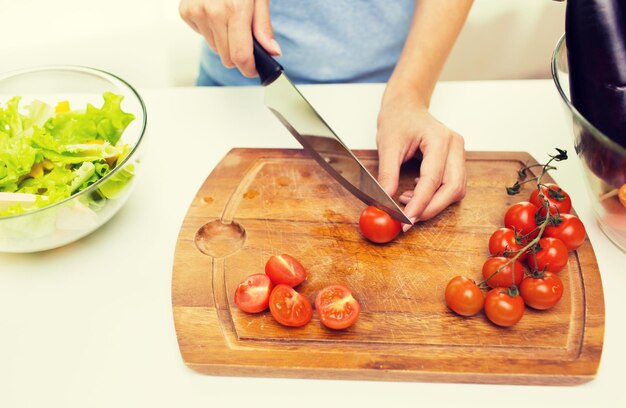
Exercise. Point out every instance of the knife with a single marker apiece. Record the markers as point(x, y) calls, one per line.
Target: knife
point(317, 138)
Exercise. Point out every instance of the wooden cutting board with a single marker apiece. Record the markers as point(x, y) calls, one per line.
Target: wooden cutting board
point(281, 201)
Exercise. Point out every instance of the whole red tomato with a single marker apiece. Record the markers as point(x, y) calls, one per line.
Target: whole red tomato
point(557, 199)
point(504, 277)
point(285, 269)
point(253, 294)
point(552, 256)
point(336, 307)
point(463, 296)
point(289, 307)
point(503, 309)
point(377, 226)
point(542, 293)
point(520, 217)
point(571, 231)
point(502, 243)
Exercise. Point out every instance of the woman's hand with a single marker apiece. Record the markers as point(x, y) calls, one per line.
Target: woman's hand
point(404, 127)
point(228, 26)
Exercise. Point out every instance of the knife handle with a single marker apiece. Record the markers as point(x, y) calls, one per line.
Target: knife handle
point(268, 68)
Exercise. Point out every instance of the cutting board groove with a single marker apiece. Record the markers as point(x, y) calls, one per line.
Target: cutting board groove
point(285, 203)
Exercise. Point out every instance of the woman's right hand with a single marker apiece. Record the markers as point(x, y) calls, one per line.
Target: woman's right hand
point(228, 26)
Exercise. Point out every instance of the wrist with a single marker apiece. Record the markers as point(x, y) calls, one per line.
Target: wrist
point(404, 93)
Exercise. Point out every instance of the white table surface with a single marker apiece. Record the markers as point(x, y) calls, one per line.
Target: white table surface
point(90, 324)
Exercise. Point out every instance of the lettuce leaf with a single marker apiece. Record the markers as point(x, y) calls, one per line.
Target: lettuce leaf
point(58, 155)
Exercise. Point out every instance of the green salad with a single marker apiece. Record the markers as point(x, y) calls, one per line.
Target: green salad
point(50, 153)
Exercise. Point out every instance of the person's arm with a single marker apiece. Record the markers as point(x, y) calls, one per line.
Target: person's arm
point(228, 25)
point(404, 123)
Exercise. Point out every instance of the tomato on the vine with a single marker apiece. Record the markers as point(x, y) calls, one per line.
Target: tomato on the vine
point(570, 231)
point(503, 309)
point(552, 256)
point(336, 307)
point(542, 292)
point(557, 199)
point(378, 226)
point(289, 307)
point(285, 269)
point(503, 243)
point(463, 296)
point(504, 277)
point(520, 217)
point(253, 294)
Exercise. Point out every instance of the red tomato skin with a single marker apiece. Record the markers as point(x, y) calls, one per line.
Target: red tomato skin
point(542, 293)
point(329, 297)
point(285, 269)
point(297, 307)
point(464, 297)
point(552, 257)
point(502, 309)
point(253, 294)
point(520, 217)
point(502, 243)
point(570, 231)
point(504, 278)
point(564, 206)
point(378, 226)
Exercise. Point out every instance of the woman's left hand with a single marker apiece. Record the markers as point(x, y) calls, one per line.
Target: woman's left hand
point(404, 127)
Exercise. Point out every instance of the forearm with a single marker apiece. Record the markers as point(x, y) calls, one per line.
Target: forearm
point(436, 25)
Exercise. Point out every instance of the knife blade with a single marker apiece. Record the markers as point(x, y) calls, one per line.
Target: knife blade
point(293, 110)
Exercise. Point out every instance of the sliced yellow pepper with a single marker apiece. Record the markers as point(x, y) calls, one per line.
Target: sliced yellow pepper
point(62, 107)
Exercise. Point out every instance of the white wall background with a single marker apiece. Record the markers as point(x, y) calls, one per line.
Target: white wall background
point(146, 43)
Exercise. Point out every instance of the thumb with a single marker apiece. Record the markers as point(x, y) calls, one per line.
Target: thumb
point(389, 161)
point(262, 27)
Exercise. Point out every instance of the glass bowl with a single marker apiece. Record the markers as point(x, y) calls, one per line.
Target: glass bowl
point(70, 219)
point(603, 160)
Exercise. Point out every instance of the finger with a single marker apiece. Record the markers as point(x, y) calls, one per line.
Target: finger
point(431, 175)
point(453, 189)
point(262, 27)
point(405, 197)
point(208, 37)
point(188, 14)
point(389, 161)
point(219, 28)
point(240, 39)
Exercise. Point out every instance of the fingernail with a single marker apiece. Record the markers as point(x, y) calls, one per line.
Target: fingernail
point(407, 227)
point(276, 47)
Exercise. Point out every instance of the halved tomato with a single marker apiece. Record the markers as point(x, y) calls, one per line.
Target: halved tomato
point(285, 269)
point(289, 307)
point(336, 307)
point(253, 294)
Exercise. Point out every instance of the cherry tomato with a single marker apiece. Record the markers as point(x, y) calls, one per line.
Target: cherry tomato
point(571, 231)
point(502, 243)
point(558, 199)
point(289, 307)
point(336, 307)
point(504, 277)
point(285, 269)
point(552, 256)
point(520, 217)
point(464, 297)
point(542, 293)
point(503, 309)
point(621, 194)
point(253, 294)
point(377, 226)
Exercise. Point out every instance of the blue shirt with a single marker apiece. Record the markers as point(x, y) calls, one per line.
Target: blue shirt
point(326, 41)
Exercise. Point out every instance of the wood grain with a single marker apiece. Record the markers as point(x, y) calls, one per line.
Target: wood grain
point(287, 204)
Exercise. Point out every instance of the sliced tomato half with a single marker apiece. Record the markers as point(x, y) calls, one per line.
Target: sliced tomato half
point(336, 307)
